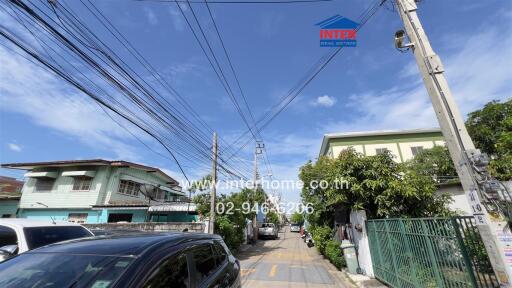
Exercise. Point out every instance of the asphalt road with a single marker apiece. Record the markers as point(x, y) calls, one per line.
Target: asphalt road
point(287, 262)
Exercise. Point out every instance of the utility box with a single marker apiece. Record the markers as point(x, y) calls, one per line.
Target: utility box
point(349, 252)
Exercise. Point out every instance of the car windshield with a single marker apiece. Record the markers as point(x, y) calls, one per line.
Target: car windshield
point(295, 225)
point(62, 270)
point(41, 236)
point(267, 225)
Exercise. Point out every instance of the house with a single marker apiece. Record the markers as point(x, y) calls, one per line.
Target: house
point(403, 145)
point(9, 204)
point(10, 194)
point(98, 191)
point(10, 185)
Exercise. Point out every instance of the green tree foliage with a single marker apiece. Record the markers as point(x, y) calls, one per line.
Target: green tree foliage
point(436, 163)
point(272, 217)
point(376, 184)
point(491, 130)
point(230, 224)
point(297, 218)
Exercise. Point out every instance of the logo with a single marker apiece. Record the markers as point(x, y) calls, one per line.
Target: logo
point(338, 31)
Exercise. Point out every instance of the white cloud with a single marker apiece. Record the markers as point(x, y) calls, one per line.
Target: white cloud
point(150, 16)
point(177, 18)
point(48, 102)
point(478, 71)
point(14, 147)
point(325, 101)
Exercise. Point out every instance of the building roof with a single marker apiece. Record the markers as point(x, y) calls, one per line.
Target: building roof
point(10, 196)
point(329, 136)
point(121, 245)
point(174, 207)
point(91, 162)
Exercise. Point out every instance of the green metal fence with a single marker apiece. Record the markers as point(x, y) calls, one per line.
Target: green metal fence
point(429, 252)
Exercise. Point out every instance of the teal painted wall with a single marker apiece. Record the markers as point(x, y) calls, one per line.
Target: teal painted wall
point(59, 215)
point(93, 216)
point(8, 207)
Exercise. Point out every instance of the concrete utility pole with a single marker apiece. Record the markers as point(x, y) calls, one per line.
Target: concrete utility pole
point(483, 193)
point(255, 179)
point(213, 185)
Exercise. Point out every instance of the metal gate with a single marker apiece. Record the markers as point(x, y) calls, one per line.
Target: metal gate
point(429, 252)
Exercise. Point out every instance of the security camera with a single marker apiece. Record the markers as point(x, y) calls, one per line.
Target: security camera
point(399, 41)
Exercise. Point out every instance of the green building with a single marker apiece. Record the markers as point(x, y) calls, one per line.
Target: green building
point(403, 144)
point(100, 191)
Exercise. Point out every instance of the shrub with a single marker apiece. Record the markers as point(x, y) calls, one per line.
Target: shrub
point(321, 235)
point(334, 253)
point(232, 234)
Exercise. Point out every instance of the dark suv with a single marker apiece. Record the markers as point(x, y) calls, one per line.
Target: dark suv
point(142, 260)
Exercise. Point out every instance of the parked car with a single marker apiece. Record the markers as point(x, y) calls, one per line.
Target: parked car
point(268, 230)
point(294, 227)
point(20, 235)
point(146, 260)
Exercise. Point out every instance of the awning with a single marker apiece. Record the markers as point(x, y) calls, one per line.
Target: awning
point(141, 181)
point(116, 207)
point(41, 174)
point(79, 173)
point(174, 207)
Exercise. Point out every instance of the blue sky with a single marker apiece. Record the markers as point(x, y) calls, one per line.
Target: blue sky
point(370, 87)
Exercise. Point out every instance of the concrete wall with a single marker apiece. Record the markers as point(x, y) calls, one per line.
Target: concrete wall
point(460, 202)
point(358, 218)
point(170, 226)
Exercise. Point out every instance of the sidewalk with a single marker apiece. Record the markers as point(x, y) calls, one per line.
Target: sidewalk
point(364, 281)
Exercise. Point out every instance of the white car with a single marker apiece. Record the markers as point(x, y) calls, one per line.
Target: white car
point(20, 235)
point(294, 227)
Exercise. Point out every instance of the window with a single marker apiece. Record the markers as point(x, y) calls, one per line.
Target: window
point(79, 218)
point(205, 263)
point(381, 151)
point(82, 183)
point(416, 149)
point(7, 236)
point(173, 272)
point(119, 217)
point(128, 187)
point(44, 184)
point(220, 253)
point(41, 236)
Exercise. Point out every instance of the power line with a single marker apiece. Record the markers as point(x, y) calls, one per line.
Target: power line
point(240, 2)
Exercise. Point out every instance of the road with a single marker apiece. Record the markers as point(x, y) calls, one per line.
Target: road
point(287, 262)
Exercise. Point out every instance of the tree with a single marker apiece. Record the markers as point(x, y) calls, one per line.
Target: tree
point(436, 163)
point(491, 130)
point(230, 221)
point(376, 184)
point(297, 218)
point(272, 217)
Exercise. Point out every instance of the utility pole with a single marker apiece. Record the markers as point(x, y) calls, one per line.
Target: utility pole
point(484, 194)
point(213, 186)
point(255, 179)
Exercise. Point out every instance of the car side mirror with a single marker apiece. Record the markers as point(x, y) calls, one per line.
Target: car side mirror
point(9, 249)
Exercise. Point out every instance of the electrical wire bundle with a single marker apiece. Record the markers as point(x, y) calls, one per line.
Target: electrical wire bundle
point(60, 41)
point(310, 75)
